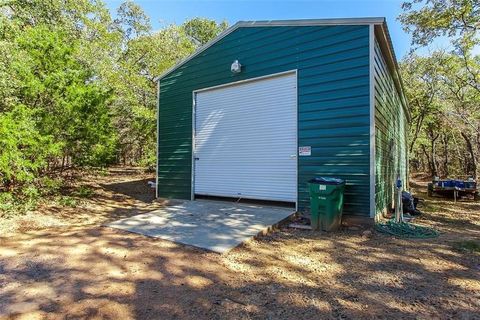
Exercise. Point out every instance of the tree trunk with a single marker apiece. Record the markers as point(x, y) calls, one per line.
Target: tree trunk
point(433, 154)
point(473, 161)
point(446, 157)
point(428, 158)
point(63, 162)
point(418, 126)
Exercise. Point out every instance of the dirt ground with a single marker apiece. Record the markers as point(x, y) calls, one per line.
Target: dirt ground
point(119, 193)
point(80, 270)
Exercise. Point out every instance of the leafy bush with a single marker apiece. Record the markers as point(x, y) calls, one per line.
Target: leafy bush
point(24, 151)
point(50, 186)
point(30, 192)
point(67, 201)
point(14, 204)
point(149, 160)
point(84, 192)
point(75, 109)
point(102, 172)
point(7, 202)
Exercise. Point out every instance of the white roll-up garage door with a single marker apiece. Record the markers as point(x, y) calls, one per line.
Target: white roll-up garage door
point(246, 140)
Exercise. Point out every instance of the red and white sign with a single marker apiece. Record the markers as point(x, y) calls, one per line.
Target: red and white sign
point(305, 151)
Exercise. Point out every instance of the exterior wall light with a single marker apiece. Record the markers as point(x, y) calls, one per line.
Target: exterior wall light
point(236, 67)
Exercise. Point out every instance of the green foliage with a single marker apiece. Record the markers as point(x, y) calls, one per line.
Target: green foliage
point(71, 108)
point(7, 202)
point(149, 160)
point(84, 192)
point(428, 20)
point(67, 201)
point(24, 150)
point(102, 172)
point(443, 88)
point(78, 89)
point(420, 75)
point(31, 192)
point(202, 30)
point(131, 21)
point(135, 101)
point(13, 204)
point(50, 186)
point(444, 102)
point(468, 246)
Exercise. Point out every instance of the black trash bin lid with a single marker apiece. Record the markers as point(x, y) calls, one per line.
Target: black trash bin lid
point(326, 180)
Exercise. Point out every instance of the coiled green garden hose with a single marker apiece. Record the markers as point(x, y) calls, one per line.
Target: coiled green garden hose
point(406, 230)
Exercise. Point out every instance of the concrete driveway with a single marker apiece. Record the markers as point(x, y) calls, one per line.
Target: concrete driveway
point(213, 225)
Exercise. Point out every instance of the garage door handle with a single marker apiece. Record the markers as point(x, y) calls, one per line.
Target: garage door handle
point(293, 156)
point(197, 158)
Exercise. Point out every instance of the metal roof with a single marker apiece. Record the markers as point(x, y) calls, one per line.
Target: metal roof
point(313, 22)
point(379, 23)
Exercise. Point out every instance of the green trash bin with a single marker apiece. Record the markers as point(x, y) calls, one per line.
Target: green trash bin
point(326, 203)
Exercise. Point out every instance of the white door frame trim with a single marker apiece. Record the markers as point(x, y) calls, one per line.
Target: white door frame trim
point(194, 94)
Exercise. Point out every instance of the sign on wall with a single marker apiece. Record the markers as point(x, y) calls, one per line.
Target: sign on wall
point(305, 151)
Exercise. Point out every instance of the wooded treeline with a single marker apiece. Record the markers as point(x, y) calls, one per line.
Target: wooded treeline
point(77, 85)
point(443, 86)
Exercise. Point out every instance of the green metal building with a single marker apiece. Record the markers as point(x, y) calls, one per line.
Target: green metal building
point(267, 105)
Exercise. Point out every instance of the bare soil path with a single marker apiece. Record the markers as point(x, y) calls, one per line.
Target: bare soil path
point(79, 270)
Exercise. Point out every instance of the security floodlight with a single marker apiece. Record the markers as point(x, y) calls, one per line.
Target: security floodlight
point(236, 67)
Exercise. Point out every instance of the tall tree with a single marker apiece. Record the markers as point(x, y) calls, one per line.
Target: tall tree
point(428, 20)
point(421, 76)
point(84, 82)
point(447, 92)
point(201, 30)
point(144, 55)
point(464, 106)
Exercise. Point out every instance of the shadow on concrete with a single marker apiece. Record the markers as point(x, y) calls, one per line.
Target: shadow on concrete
point(218, 226)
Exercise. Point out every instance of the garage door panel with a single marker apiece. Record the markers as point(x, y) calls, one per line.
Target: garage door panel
point(246, 140)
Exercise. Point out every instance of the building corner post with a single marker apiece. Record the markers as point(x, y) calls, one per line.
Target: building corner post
point(158, 137)
point(372, 119)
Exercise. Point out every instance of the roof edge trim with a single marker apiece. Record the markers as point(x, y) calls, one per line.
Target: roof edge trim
point(385, 43)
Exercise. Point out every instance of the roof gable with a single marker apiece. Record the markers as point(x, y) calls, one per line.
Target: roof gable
point(381, 32)
point(274, 23)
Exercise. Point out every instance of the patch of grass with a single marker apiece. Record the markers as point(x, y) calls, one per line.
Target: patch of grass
point(468, 246)
point(84, 192)
point(13, 204)
point(7, 201)
point(28, 196)
point(44, 190)
point(50, 186)
point(102, 172)
point(67, 201)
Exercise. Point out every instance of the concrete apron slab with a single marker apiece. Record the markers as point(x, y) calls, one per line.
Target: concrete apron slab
point(213, 225)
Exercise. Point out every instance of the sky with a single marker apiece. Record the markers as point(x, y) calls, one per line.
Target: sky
point(164, 12)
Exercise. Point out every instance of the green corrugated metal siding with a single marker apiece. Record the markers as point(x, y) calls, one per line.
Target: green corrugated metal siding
point(390, 134)
point(333, 102)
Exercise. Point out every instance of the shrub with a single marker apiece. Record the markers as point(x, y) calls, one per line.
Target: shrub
point(30, 192)
point(84, 192)
point(7, 202)
point(50, 186)
point(12, 204)
point(24, 151)
point(149, 160)
point(67, 201)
